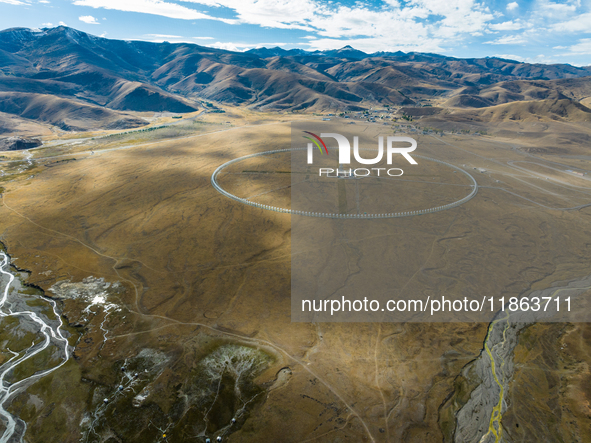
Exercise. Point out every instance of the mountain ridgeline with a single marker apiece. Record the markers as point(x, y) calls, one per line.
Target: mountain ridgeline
point(73, 80)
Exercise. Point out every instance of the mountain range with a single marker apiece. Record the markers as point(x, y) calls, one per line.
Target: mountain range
point(72, 80)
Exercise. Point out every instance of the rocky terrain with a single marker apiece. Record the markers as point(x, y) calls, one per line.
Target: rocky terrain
point(18, 143)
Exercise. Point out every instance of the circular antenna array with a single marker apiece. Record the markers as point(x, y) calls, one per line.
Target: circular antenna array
point(216, 185)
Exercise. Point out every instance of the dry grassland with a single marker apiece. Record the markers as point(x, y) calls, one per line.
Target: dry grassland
point(200, 269)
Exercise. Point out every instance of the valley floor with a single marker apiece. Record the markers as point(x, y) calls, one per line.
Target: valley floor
point(198, 341)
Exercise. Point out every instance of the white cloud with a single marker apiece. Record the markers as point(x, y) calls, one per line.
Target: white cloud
point(43, 1)
point(165, 39)
point(241, 47)
point(512, 6)
point(156, 7)
point(61, 24)
point(415, 24)
point(510, 57)
point(47, 25)
point(583, 47)
point(13, 2)
point(507, 26)
point(228, 46)
point(543, 58)
point(399, 28)
point(162, 36)
point(579, 23)
point(508, 40)
point(89, 19)
point(284, 14)
point(159, 38)
point(559, 8)
point(537, 59)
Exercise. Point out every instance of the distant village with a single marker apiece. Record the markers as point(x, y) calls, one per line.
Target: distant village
point(399, 117)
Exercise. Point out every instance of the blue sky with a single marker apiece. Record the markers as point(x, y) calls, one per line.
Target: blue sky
point(540, 31)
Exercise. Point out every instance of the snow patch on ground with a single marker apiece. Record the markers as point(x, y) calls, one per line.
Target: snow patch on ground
point(93, 291)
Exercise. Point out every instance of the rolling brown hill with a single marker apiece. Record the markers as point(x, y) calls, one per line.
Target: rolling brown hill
point(552, 109)
point(66, 114)
point(561, 110)
point(94, 73)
